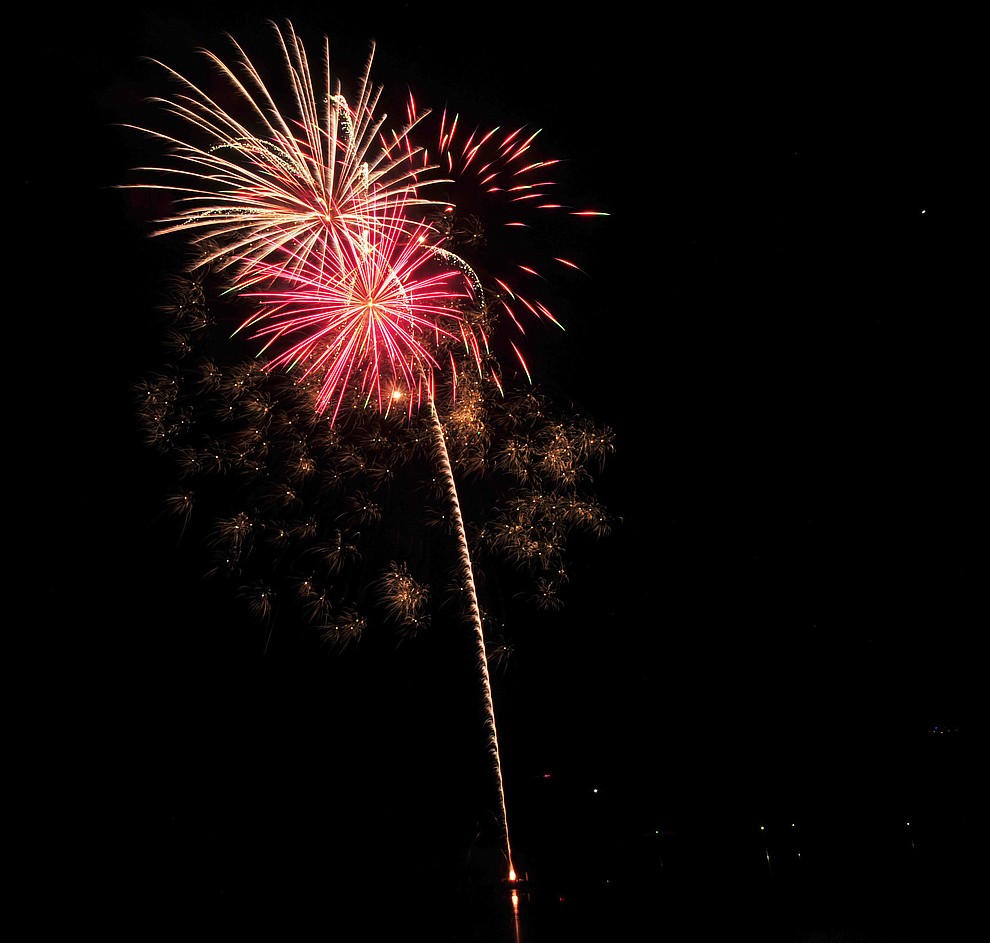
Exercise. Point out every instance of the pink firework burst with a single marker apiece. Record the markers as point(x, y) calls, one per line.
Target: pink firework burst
point(371, 316)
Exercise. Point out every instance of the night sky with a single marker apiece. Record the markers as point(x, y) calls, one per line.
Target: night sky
point(778, 324)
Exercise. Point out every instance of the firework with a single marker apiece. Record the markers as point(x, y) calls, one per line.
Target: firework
point(372, 320)
point(281, 188)
point(377, 316)
point(496, 186)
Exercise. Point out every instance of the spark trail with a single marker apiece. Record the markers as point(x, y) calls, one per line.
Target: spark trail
point(467, 572)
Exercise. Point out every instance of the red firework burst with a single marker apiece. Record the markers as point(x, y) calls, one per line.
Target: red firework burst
point(369, 316)
point(497, 182)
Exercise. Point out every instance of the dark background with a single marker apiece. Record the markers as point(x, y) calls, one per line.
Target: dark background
point(778, 323)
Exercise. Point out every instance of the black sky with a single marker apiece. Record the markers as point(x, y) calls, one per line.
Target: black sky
point(777, 324)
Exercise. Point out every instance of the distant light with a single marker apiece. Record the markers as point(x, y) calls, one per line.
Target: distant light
point(595, 790)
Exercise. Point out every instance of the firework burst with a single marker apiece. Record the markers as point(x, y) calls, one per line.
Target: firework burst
point(374, 375)
point(496, 187)
point(282, 189)
point(377, 317)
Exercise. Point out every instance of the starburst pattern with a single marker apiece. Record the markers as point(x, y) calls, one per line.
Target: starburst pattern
point(279, 188)
point(377, 316)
